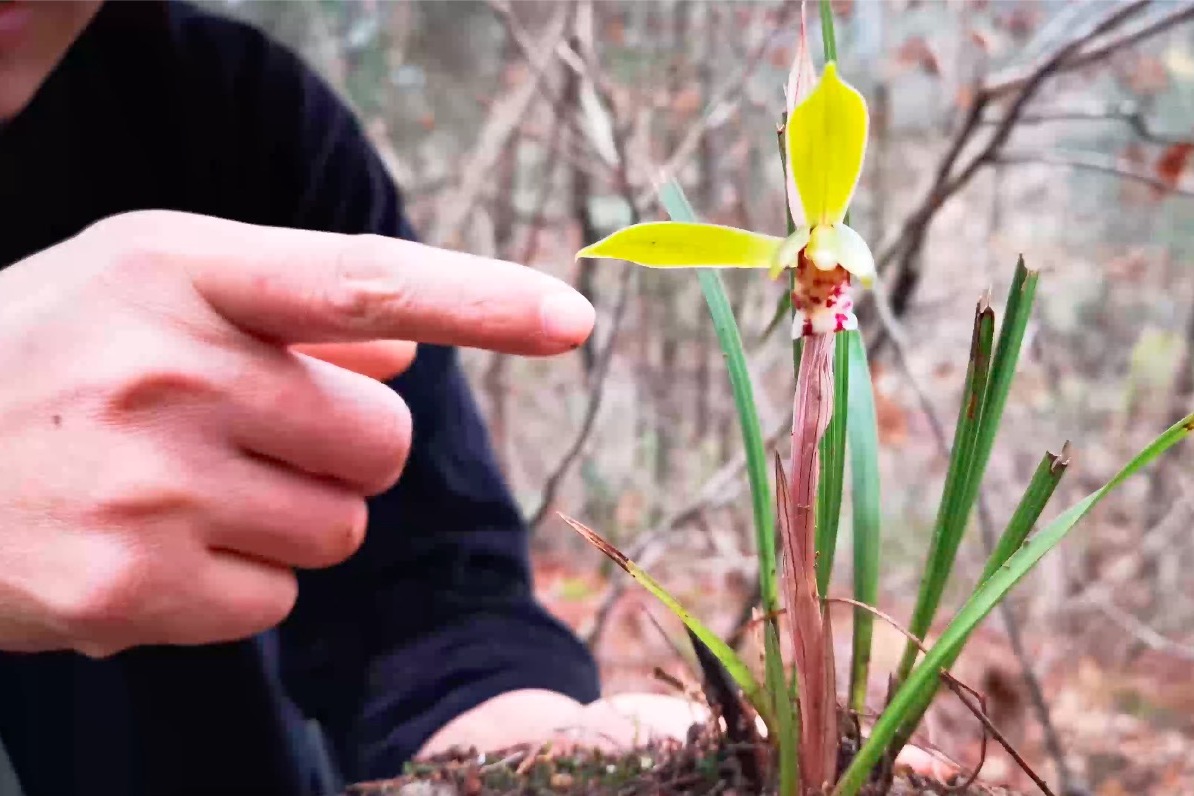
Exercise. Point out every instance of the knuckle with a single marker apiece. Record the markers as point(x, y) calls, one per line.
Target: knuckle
point(106, 594)
point(363, 291)
point(135, 240)
point(138, 388)
point(124, 497)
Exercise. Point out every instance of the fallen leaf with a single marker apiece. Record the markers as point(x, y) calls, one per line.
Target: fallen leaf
point(915, 53)
point(1172, 164)
point(1145, 75)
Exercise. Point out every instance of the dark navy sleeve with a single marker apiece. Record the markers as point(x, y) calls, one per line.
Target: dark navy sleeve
point(435, 614)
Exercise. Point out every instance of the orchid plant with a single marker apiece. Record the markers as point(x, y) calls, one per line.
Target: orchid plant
point(823, 146)
point(825, 140)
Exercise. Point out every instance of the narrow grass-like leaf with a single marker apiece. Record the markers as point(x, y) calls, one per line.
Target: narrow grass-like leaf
point(833, 466)
point(1040, 489)
point(985, 598)
point(787, 729)
point(862, 434)
point(1003, 370)
point(954, 510)
point(783, 311)
point(676, 203)
point(734, 665)
point(721, 692)
point(1032, 503)
point(828, 35)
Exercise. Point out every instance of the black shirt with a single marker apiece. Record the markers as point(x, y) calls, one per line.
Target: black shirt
point(159, 105)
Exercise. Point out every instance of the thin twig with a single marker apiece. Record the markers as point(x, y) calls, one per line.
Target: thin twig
point(1087, 162)
point(724, 101)
point(601, 370)
point(716, 491)
point(501, 124)
point(1181, 13)
point(1125, 113)
point(899, 255)
point(593, 405)
point(960, 690)
point(1142, 632)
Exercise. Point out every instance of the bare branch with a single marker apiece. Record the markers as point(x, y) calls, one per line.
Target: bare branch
point(508, 112)
point(1088, 162)
point(1142, 632)
point(897, 258)
point(1124, 114)
point(593, 404)
point(723, 103)
point(1183, 12)
point(717, 491)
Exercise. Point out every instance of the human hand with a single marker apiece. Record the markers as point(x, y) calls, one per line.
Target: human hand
point(377, 359)
point(620, 722)
point(167, 459)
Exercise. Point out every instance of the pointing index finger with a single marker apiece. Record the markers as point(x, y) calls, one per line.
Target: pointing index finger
point(299, 286)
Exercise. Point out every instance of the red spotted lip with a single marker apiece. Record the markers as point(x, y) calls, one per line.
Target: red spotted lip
point(14, 20)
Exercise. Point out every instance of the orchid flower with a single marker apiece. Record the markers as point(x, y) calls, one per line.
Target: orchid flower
point(825, 140)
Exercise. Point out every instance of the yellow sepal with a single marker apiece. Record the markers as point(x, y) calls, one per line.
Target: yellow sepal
point(674, 244)
point(826, 140)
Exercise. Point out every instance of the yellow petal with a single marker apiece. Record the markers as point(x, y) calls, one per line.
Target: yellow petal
point(674, 244)
point(824, 247)
point(785, 255)
point(826, 140)
point(854, 255)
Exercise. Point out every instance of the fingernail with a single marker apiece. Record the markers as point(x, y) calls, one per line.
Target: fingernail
point(567, 317)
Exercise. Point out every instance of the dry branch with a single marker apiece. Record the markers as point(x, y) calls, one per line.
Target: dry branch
point(503, 121)
point(898, 258)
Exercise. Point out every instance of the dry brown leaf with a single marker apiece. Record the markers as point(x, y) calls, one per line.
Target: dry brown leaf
point(915, 53)
point(842, 9)
point(1145, 75)
point(687, 101)
point(979, 39)
point(1172, 164)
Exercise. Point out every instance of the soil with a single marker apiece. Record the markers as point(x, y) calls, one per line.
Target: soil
point(705, 764)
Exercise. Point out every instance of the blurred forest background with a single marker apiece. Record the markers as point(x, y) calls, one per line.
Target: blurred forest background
point(1058, 129)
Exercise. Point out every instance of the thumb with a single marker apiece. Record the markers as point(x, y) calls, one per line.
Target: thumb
point(300, 286)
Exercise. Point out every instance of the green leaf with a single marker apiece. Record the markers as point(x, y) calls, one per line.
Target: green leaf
point(1003, 371)
point(787, 721)
point(671, 244)
point(1032, 503)
point(924, 677)
point(1040, 489)
point(863, 437)
point(956, 499)
point(735, 666)
point(833, 465)
point(676, 203)
point(828, 35)
point(782, 310)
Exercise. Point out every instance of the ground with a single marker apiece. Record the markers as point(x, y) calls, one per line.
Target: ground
point(1127, 729)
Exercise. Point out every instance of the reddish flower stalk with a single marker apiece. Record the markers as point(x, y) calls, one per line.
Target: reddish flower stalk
point(812, 645)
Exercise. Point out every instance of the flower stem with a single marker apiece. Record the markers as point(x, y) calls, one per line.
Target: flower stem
point(811, 644)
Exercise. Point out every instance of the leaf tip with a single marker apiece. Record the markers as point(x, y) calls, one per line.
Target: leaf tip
point(595, 539)
point(1062, 460)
